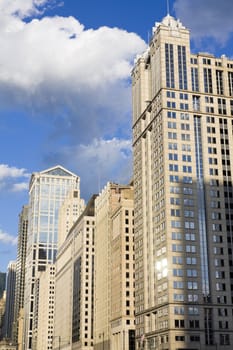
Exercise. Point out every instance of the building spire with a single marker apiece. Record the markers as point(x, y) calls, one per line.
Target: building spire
point(168, 8)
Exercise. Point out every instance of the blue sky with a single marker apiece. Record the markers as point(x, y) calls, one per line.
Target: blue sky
point(65, 94)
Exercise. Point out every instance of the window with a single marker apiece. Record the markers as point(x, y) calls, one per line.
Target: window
point(173, 156)
point(186, 158)
point(175, 212)
point(171, 104)
point(172, 146)
point(187, 180)
point(175, 201)
point(177, 248)
point(191, 261)
point(189, 225)
point(190, 236)
point(169, 59)
point(192, 285)
point(231, 106)
point(191, 273)
point(230, 83)
point(184, 116)
point(187, 190)
point(209, 99)
point(172, 135)
point(176, 236)
point(184, 106)
point(177, 260)
point(179, 324)
point(194, 324)
point(171, 114)
point(193, 60)
point(195, 81)
point(171, 94)
point(222, 106)
point(219, 82)
point(211, 139)
point(213, 171)
point(212, 150)
point(188, 213)
point(186, 147)
point(196, 103)
point(185, 126)
point(223, 324)
point(174, 178)
point(173, 167)
point(178, 284)
point(174, 189)
point(182, 67)
point(209, 109)
point(178, 297)
point(188, 202)
point(175, 224)
point(208, 85)
point(224, 339)
point(192, 298)
point(210, 129)
point(220, 286)
point(179, 310)
point(185, 137)
point(190, 249)
point(193, 310)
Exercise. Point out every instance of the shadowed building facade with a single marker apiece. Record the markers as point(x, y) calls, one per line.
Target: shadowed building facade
point(20, 273)
point(74, 304)
point(183, 167)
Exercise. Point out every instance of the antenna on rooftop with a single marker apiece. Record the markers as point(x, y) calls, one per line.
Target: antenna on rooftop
point(168, 8)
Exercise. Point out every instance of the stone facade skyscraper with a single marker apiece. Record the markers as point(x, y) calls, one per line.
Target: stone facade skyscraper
point(183, 169)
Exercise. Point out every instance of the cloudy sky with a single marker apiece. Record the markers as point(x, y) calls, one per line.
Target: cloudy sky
point(65, 94)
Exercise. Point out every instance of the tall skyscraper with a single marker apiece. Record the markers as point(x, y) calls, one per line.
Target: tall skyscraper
point(114, 265)
point(47, 191)
point(183, 168)
point(2, 283)
point(74, 304)
point(20, 269)
point(10, 300)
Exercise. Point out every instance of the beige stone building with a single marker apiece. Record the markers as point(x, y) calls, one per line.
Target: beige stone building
point(114, 266)
point(183, 168)
point(43, 322)
point(70, 210)
point(74, 305)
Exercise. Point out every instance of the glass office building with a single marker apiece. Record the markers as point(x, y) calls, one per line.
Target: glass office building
point(47, 191)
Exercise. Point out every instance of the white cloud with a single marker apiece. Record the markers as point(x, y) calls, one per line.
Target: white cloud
point(9, 174)
point(18, 187)
point(209, 18)
point(80, 76)
point(77, 80)
point(6, 238)
point(21, 8)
